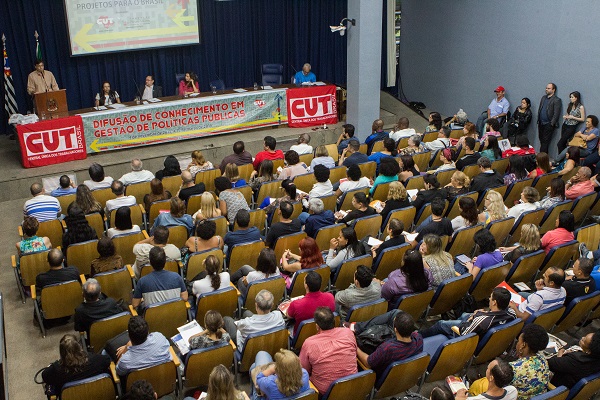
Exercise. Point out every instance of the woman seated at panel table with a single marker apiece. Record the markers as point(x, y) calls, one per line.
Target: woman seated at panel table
point(106, 97)
point(189, 84)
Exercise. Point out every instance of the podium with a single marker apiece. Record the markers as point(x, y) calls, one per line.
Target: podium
point(51, 105)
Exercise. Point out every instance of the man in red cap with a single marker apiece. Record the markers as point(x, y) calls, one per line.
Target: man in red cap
point(498, 109)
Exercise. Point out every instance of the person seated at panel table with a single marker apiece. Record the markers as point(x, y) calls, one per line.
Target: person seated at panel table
point(189, 84)
point(150, 89)
point(305, 75)
point(106, 96)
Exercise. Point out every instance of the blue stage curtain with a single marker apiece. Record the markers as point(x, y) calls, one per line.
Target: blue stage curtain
point(237, 37)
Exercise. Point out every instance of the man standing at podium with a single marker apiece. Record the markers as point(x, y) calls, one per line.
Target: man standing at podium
point(40, 80)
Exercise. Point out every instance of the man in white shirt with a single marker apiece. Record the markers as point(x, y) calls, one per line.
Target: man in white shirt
point(402, 130)
point(141, 249)
point(138, 173)
point(441, 142)
point(98, 181)
point(150, 90)
point(303, 145)
point(121, 200)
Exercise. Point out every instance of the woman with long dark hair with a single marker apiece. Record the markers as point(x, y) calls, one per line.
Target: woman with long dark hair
point(344, 247)
point(171, 168)
point(556, 194)
point(520, 120)
point(518, 172)
point(189, 84)
point(266, 267)
point(123, 224)
point(106, 96)
point(469, 215)
point(542, 165)
point(411, 277)
point(574, 116)
point(78, 228)
point(488, 254)
point(86, 202)
point(157, 193)
point(214, 279)
point(435, 122)
point(492, 150)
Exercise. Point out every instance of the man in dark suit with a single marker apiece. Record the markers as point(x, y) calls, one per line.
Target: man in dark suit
point(151, 91)
point(548, 115)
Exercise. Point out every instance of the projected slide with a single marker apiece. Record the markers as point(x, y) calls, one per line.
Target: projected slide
point(101, 26)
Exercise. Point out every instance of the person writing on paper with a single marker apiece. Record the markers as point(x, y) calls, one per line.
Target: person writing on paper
point(304, 76)
point(151, 91)
point(189, 84)
point(499, 376)
point(107, 96)
point(41, 80)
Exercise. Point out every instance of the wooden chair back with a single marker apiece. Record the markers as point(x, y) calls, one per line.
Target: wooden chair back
point(195, 263)
point(471, 170)
point(415, 304)
point(429, 136)
point(406, 215)
point(390, 260)
point(367, 226)
point(257, 219)
point(288, 242)
point(332, 150)
point(268, 189)
point(172, 184)
point(590, 235)
point(381, 191)
point(547, 318)
point(99, 387)
point(454, 209)
point(415, 182)
point(363, 148)
point(60, 300)
point(444, 176)
point(560, 256)
point(97, 222)
point(566, 177)
point(297, 288)
point(306, 329)
point(329, 202)
point(200, 363)
point(138, 190)
point(422, 160)
point(560, 393)
point(582, 205)
point(487, 279)
point(426, 212)
point(345, 273)
point(162, 377)
point(271, 342)
point(540, 183)
point(501, 166)
point(245, 171)
point(577, 311)
point(65, 201)
point(53, 230)
point(356, 386)
point(297, 210)
point(305, 182)
point(117, 284)
point(347, 198)
point(496, 341)
point(102, 330)
point(513, 192)
point(326, 233)
point(124, 246)
point(155, 209)
point(368, 169)
point(244, 254)
point(222, 225)
point(225, 301)
point(275, 285)
point(525, 267)
point(137, 216)
point(403, 143)
point(178, 235)
point(82, 254)
point(337, 173)
point(208, 178)
point(501, 228)
point(165, 317)
point(451, 357)
point(377, 147)
point(366, 311)
point(549, 220)
point(448, 293)
point(528, 217)
point(401, 376)
point(103, 195)
point(31, 265)
point(462, 241)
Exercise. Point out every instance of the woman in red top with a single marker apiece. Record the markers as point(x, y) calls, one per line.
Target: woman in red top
point(189, 84)
point(542, 165)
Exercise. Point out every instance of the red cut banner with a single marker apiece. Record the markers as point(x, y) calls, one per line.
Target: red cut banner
point(52, 142)
point(310, 106)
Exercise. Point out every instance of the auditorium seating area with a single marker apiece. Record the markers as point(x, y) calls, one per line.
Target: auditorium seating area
point(466, 355)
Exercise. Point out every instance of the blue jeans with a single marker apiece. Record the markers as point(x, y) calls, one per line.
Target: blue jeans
point(262, 358)
point(445, 327)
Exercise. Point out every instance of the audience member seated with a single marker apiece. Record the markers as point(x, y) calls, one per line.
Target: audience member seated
point(123, 224)
point(432, 191)
point(239, 157)
point(491, 148)
point(189, 187)
point(98, 180)
point(441, 393)
point(563, 233)
point(435, 122)
point(469, 130)
point(137, 175)
point(280, 379)
point(361, 209)
point(571, 161)
point(75, 363)
point(108, 260)
point(406, 342)
point(213, 334)
point(555, 193)
point(377, 134)
point(365, 289)
point(304, 308)
point(317, 217)
point(31, 243)
point(589, 137)
point(414, 146)
point(353, 181)
point(121, 200)
point(263, 320)
point(285, 226)
point(397, 198)
point(470, 157)
point(493, 208)
point(459, 185)
point(580, 283)
point(221, 385)
point(230, 201)
point(479, 322)
point(569, 366)
point(529, 201)
point(530, 242)
point(233, 174)
point(344, 247)
point(531, 372)
point(330, 354)
point(244, 234)
point(439, 262)
point(42, 207)
point(520, 120)
point(446, 157)
point(442, 141)
point(310, 257)
point(208, 208)
point(175, 217)
point(322, 157)
point(345, 137)
point(499, 376)
point(302, 146)
point(580, 184)
point(468, 214)
point(408, 168)
point(549, 294)
point(517, 169)
point(395, 238)
point(352, 155)
point(157, 193)
point(189, 84)
point(389, 171)
point(542, 165)
point(86, 201)
point(410, 278)
point(171, 168)
point(141, 249)
point(323, 186)
point(438, 225)
point(143, 350)
point(95, 306)
point(66, 186)
point(492, 128)
point(266, 267)
point(78, 229)
point(211, 278)
point(401, 130)
point(268, 153)
point(143, 390)
point(263, 175)
point(522, 148)
point(389, 150)
point(488, 255)
point(487, 178)
point(159, 285)
point(57, 272)
point(205, 238)
point(198, 163)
